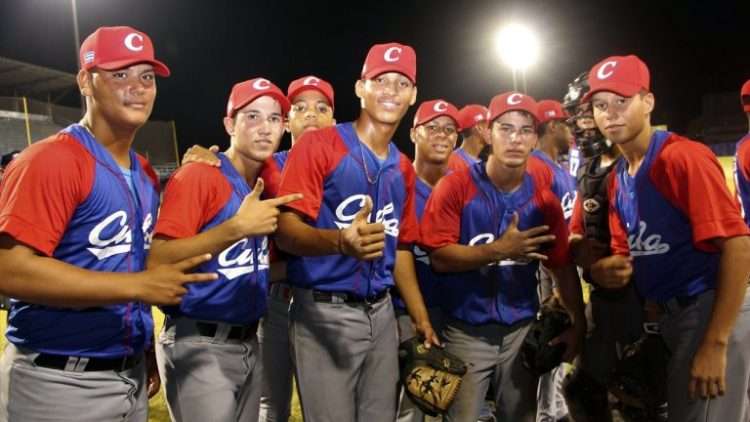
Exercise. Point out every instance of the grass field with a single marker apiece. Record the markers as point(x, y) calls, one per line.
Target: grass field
point(157, 406)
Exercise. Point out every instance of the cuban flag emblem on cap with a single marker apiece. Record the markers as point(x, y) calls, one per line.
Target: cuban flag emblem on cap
point(88, 57)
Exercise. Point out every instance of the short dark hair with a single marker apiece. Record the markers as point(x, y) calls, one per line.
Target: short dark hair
point(8, 157)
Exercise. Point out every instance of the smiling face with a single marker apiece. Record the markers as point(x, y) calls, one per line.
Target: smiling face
point(123, 97)
point(256, 128)
point(435, 140)
point(619, 118)
point(310, 110)
point(512, 136)
point(386, 97)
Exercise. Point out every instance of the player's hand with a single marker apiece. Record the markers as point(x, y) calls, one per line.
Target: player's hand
point(198, 154)
point(256, 217)
point(612, 272)
point(164, 284)
point(573, 338)
point(708, 371)
point(152, 373)
point(587, 251)
point(517, 244)
point(424, 330)
point(363, 240)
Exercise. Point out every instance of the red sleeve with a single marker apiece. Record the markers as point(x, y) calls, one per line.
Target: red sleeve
point(576, 220)
point(540, 172)
point(743, 158)
point(559, 255)
point(271, 176)
point(194, 195)
point(688, 174)
point(408, 232)
point(619, 237)
point(456, 163)
point(41, 190)
point(441, 221)
point(150, 172)
point(310, 161)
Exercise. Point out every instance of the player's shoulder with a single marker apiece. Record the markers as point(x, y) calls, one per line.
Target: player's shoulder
point(319, 139)
point(457, 181)
point(149, 170)
point(743, 146)
point(197, 173)
point(60, 153)
point(539, 171)
point(406, 167)
point(681, 153)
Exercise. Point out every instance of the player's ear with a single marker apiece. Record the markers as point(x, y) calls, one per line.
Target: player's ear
point(412, 135)
point(84, 82)
point(359, 88)
point(649, 101)
point(229, 125)
point(413, 96)
point(286, 126)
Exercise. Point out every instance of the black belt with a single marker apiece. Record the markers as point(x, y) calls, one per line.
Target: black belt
point(86, 364)
point(346, 297)
point(236, 332)
point(678, 303)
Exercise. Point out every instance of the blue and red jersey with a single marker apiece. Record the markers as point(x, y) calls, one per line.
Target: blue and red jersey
point(563, 185)
point(460, 159)
point(335, 172)
point(668, 213)
point(67, 198)
point(466, 208)
point(742, 176)
point(271, 173)
point(429, 281)
point(197, 198)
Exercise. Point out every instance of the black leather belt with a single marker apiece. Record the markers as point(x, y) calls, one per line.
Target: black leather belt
point(236, 332)
point(346, 297)
point(86, 364)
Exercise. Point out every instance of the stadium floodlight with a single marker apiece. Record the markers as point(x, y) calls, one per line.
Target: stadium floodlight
point(518, 47)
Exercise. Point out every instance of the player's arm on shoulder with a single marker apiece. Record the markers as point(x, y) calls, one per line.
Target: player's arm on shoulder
point(193, 196)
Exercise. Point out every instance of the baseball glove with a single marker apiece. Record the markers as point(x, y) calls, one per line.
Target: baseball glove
point(537, 355)
point(431, 377)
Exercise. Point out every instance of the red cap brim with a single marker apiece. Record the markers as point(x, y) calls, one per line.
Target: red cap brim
point(159, 68)
point(385, 69)
point(283, 101)
point(622, 89)
point(309, 87)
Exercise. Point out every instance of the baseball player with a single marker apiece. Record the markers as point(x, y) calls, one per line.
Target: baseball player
point(742, 159)
point(689, 251)
point(473, 122)
point(76, 218)
point(312, 103)
point(208, 352)
point(434, 134)
point(486, 226)
point(554, 141)
point(352, 236)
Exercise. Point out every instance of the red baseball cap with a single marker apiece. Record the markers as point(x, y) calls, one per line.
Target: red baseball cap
point(117, 47)
point(310, 82)
point(472, 114)
point(390, 57)
point(512, 101)
point(745, 96)
point(551, 110)
point(433, 109)
point(623, 75)
point(243, 93)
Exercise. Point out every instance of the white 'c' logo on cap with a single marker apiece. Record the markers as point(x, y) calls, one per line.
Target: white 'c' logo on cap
point(261, 84)
point(390, 55)
point(130, 44)
point(602, 73)
point(515, 99)
point(311, 80)
point(440, 106)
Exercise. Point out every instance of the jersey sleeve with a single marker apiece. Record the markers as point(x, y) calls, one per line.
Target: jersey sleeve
point(456, 163)
point(576, 220)
point(441, 221)
point(310, 161)
point(743, 158)
point(193, 196)
point(688, 174)
point(409, 229)
point(618, 236)
point(153, 176)
point(271, 175)
point(41, 190)
point(559, 254)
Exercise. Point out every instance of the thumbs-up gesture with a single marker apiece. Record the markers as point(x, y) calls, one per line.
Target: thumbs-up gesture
point(256, 217)
point(517, 244)
point(363, 240)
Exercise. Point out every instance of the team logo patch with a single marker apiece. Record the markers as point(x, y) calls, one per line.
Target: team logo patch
point(239, 259)
point(392, 54)
point(89, 57)
point(514, 99)
point(261, 84)
point(312, 80)
point(112, 236)
point(134, 42)
point(591, 205)
point(603, 73)
point(440, 106)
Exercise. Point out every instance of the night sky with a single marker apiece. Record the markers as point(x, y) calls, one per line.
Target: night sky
point(692, 48)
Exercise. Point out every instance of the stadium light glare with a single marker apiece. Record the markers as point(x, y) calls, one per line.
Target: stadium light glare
point(517, 46)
